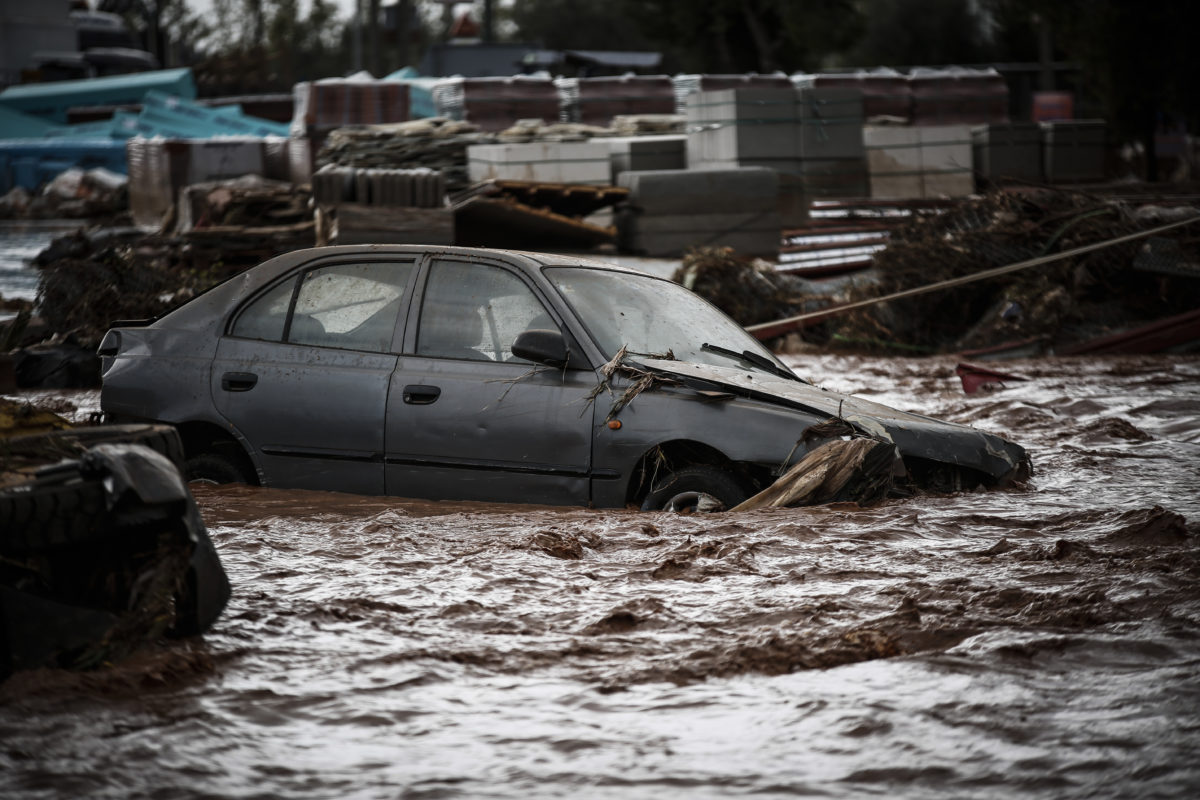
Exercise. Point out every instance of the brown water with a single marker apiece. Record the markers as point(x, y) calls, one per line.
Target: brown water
point(1033, 643)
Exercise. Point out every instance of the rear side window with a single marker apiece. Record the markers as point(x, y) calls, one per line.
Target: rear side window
point(266, 317)
point(349, 306)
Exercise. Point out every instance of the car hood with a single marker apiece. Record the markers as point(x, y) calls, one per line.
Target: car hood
point(915, 435)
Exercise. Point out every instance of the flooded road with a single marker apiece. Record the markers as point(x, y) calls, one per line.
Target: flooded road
point(1041, 642)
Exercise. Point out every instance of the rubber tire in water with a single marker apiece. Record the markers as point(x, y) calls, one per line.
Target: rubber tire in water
point(700, 478)
point(214, 468)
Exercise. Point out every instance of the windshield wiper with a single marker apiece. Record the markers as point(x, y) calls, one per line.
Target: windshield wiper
point(754, 359)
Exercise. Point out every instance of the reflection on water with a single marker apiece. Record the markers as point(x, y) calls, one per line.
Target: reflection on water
point(1037, 643)
point(20, 242)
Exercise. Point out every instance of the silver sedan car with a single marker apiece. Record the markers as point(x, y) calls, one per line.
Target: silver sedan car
point(473, 374)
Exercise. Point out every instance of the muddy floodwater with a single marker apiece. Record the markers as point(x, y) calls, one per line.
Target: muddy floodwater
point(1039, 642)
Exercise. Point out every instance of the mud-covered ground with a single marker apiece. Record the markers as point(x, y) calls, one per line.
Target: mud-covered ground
point(1042, 642)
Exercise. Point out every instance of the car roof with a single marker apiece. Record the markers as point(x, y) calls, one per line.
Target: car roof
point(530, 258)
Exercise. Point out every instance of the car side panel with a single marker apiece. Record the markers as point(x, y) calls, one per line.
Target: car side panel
point(742, 430)
point(313, 415)
point(501, 432)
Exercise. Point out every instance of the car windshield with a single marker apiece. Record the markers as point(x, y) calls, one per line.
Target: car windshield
point(652, 316)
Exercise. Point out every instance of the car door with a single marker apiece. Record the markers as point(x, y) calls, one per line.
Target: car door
point(468, 420)
point(303, 371)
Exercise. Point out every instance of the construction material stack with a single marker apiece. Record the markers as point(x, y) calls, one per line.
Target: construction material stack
point(396, 206)
point(669, 211)
point(323, 106)
point(494, 104)
point(542, 161)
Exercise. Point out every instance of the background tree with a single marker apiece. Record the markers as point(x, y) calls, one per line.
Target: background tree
point(1134, 59)
point(714, 36)
point(918, 32)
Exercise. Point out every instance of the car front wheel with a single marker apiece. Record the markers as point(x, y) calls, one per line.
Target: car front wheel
point(696, 488)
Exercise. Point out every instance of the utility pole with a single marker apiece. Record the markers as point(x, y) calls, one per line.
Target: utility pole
point(357, 57)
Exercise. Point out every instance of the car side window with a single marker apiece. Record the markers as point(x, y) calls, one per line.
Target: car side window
point(351, 306)
point(266, 317)
point(475, 311)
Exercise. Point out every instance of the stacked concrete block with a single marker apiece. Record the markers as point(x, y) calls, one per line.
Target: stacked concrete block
point(669, 211)
point(643, 153)
point(926, 161)
point(743, 127)
point(1073, 150)
point(543, 162)
point(419, 188)
point(1008, 150)
point(814, 134)
point(832, 158)
point(688, 85)
point(894, 161)
point(326, 105)
point(946, 166)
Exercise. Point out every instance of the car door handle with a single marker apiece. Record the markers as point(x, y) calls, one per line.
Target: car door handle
point(238, 381)
point(418, 395)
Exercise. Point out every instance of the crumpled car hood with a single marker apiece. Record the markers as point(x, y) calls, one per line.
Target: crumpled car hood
point(915, 435)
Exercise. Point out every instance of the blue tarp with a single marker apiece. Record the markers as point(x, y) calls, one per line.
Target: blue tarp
point(31, 162)
point(15, 125)
point(420, 92)
point(51, 100)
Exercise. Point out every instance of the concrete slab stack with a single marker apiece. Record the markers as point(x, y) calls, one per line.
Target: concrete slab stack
point(418, 188)
point(813, 135)
point(545, 162)
point(669, 211)
point(643, 153)
point(1008, 150)
point(924, 161)
point(325, 105)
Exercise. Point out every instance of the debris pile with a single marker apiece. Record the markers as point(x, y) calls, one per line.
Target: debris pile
point(75, 194)
point(89, 279)
point(748, 290)
point(245, 202)
point(1052, 304)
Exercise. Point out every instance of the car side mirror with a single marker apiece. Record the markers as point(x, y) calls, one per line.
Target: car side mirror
point(542, 347)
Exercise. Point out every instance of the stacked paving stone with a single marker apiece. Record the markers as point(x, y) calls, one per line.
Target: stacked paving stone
point(543, 162)
point(813, 135)
point(645, 153)
point(418, 188)
point(669, 211)
point(1011, 150)
point(919, 161)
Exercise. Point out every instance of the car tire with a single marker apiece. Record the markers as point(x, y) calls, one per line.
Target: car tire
point(214, 468)
point(47, 514)
point(684, 489)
